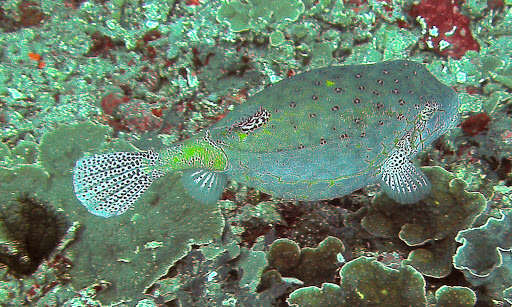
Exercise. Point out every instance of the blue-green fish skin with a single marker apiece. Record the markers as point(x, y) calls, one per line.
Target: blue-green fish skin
point(318, 135)
point(331, 129)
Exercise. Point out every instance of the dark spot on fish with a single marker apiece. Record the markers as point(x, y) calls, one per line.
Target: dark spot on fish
point(395, 91)
point(401, 102)
point(358, 120)
point(357, 100)
point(312, 115)
point(276, 110)
point(400, 116)
point(376, 93)
point(301, 146)
point(379, 105)
point(335, 108)
point(380, 82)
point(416, 106)
point(343, 136)
point(415, 73)
point(363, 134)
point(314, 97)
point(323, 141)
point(361, 87)
point(385, 71)
point(410, 92)
point(381, 122)
point(397, 81)
point(293, 104)
point(333, 128)
point(358, 75)
point(337, 89)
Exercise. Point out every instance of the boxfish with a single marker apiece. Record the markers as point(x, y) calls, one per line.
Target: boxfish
point(321, 134)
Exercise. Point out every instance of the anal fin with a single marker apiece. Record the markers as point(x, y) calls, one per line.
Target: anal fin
point(205, 186)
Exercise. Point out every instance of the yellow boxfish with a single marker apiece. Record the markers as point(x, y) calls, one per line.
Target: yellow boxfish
point(317, 135)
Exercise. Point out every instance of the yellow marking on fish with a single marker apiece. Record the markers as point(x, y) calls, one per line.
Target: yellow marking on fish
point(242, 136)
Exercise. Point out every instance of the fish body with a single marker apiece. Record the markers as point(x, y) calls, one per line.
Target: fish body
point(317, 135)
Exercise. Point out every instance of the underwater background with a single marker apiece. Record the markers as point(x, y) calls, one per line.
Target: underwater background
point(84, 77)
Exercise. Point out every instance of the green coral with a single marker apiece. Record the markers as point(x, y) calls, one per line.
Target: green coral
point(490, 240)
point(485, 257)
point(226, 277)
point(130, 252)
point(448, 209)
point(252, 264)
point(284, 254)
point(333, 12)
point(257, 14)
point(497, 285)
point(394, 42)
point(25, 152)
point(5, 154)
point(310, 265)
point(59, 153)
point(330, 295)
point(448, 296)
point(366, 282)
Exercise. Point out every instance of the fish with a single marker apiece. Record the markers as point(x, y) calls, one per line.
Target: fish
point(321, 134)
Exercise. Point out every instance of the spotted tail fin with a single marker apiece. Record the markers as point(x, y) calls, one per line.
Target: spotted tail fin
point(109, 184)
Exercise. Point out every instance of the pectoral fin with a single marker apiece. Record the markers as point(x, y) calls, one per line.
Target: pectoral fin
point(403, 181)
point(203, 185)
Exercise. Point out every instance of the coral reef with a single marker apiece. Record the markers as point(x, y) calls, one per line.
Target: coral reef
point(430, 226)
point(455, 296)
point(309, 265)
point(82, 77)
point(255, 15)
point(485, 257)
point(365, 281)
point(150, 240)
point(226, 279)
